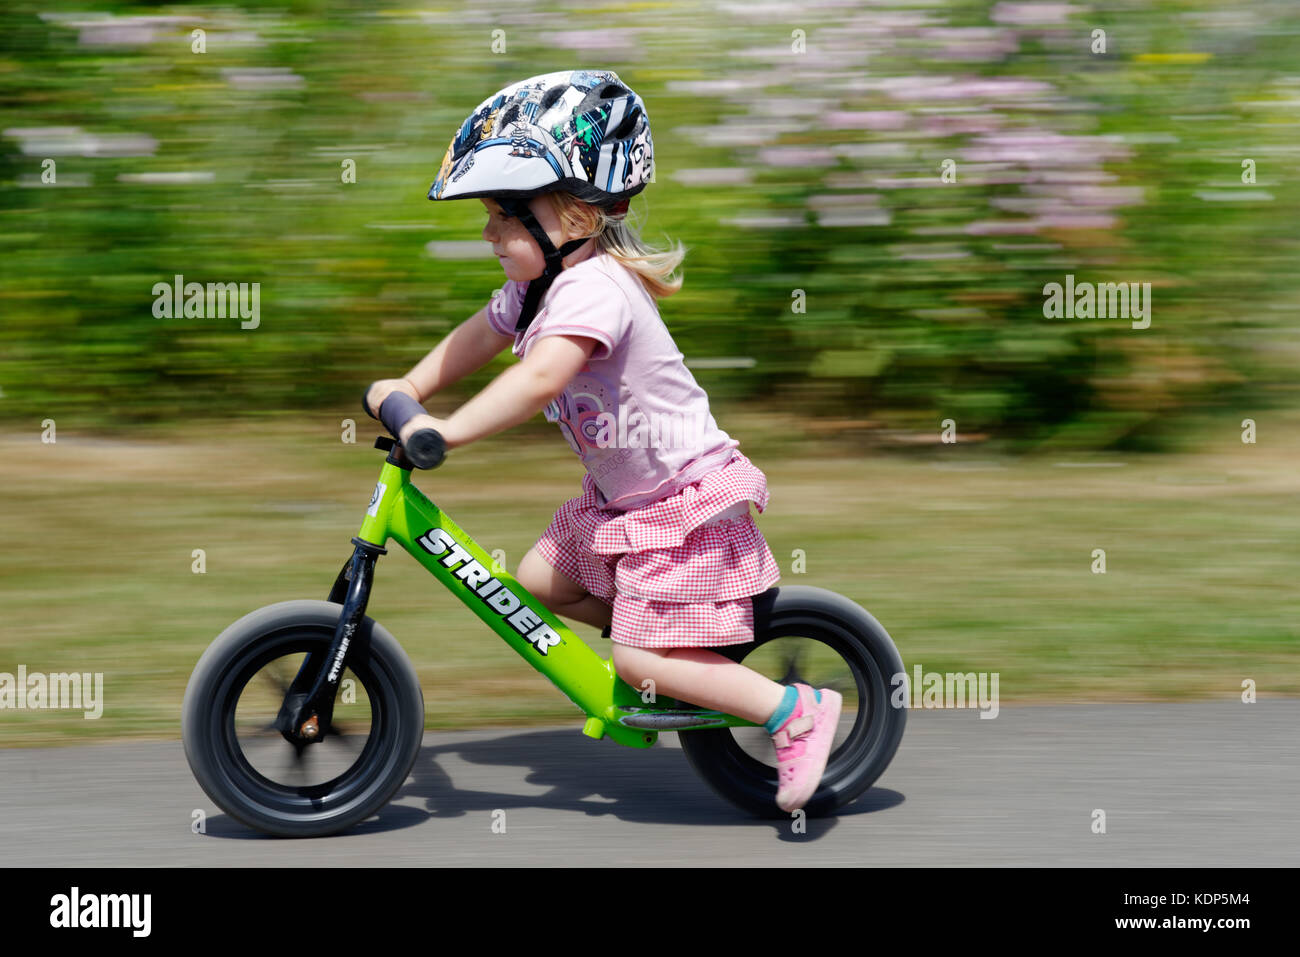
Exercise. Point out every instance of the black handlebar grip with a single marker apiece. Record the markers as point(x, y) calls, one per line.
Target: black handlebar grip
point(426, 449)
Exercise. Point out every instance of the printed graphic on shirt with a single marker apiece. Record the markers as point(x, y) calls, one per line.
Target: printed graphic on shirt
point(578, 408)
point(592, 420)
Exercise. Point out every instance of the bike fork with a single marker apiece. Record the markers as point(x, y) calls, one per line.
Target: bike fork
point(306, 715)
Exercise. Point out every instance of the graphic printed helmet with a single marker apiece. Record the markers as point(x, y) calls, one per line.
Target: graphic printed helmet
point(580, 131)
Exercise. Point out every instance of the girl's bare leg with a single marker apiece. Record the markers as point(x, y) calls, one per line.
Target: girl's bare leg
point(591, 610)
point(702, 677)
point(697, 675)
point(560, 593)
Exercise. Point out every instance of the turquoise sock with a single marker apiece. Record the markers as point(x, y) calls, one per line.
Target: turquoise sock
point(785, 709)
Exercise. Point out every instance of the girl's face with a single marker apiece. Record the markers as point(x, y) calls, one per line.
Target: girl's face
point(515, 248)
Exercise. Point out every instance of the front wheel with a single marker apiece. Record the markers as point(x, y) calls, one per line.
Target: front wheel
point(816, 637)
point(257, 777)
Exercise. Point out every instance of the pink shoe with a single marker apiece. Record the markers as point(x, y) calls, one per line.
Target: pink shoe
point(803, 744)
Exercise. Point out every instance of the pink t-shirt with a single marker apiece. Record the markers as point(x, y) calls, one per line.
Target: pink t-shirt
point(634, 414)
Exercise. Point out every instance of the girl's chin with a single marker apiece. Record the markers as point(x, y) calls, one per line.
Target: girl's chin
point(517, 275)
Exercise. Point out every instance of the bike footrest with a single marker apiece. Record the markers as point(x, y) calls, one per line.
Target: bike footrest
point(671, 720)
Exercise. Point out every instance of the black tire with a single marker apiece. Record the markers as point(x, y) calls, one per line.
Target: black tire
point(841, 631)
point(385, 756)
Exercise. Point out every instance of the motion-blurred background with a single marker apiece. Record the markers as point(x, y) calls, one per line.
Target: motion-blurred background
point(873, 196)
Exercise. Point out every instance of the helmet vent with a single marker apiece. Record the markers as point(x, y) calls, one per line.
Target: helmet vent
point(627, 126)
point(611, 90)
point(553, 94)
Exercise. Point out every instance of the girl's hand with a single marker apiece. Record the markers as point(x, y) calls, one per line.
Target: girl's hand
point(382, 389)
point(418, 422)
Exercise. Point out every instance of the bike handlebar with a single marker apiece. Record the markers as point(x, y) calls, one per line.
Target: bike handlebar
point(426, 448)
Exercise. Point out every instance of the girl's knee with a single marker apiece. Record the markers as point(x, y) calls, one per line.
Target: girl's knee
point(544, 581)
point(532, 571)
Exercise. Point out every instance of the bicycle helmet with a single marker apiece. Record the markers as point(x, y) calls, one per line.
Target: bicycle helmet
point(580, 131)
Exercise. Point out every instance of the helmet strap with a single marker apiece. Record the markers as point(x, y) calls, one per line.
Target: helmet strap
point(518, 208)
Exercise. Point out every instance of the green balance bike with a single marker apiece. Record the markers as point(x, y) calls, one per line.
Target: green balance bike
point(304, 718)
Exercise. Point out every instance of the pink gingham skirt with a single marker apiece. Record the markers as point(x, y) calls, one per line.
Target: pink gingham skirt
point(679, 572)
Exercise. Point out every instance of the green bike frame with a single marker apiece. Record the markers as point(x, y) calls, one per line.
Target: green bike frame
point(400, 511)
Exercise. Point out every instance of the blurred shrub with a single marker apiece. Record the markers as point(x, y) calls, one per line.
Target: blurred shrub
point(801, 158)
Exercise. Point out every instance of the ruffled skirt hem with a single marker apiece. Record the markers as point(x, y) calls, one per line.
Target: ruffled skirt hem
point(676, 575)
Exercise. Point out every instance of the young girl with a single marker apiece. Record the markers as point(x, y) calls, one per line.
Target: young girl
point(660, 548)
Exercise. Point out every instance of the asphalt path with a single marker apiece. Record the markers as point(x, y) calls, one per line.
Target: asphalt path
point(1200, 784)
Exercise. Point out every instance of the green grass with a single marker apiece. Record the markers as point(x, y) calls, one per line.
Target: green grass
point(973, 563)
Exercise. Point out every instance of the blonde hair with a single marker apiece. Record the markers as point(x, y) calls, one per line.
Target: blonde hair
point(656, 268)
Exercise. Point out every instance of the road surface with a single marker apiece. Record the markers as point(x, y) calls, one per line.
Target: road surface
point(1209, 784)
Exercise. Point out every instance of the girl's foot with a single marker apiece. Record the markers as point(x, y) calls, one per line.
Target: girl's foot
point(803, 743)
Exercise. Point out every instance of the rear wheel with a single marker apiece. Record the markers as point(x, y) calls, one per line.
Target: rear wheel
point(247, 767)
point(819, 638)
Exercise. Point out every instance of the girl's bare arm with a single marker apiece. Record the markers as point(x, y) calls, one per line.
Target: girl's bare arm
point(465, 349)
point(514, 396)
